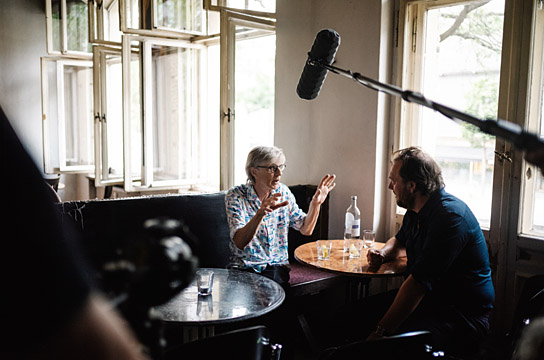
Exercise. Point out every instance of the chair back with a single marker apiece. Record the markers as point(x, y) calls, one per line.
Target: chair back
point(412, 345)
point(252, 343)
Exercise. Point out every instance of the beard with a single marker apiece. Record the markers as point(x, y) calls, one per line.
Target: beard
point(406, 199)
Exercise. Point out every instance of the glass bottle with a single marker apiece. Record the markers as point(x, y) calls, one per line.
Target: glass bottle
point(352, 227)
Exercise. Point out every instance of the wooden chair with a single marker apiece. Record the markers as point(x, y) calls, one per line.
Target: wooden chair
point(412, 345)
point(252, 343)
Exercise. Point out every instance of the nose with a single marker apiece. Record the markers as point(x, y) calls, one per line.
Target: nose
point(390, 185)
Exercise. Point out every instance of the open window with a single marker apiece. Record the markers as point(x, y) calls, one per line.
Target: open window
point(108, 115)
point(67, 111)
point(104, 22)
point(67, 25)
point(173, 18)
point(165, 133)
point(532, 220)
point(247, 91)
point(451, 53)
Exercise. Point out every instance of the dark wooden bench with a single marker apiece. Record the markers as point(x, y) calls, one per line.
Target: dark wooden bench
point(112, 229)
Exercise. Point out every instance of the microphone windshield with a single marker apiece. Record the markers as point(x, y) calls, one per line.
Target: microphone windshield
point(323, 50)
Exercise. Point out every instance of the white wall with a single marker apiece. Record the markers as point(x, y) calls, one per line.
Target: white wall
point(337, 131)
point(22, 43)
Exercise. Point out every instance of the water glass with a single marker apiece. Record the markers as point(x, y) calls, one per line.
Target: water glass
point(204, 281)
point(324, 248)
point(369, 236)
point(355, 248)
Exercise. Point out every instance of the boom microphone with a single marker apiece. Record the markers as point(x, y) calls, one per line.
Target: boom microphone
point(323, 50)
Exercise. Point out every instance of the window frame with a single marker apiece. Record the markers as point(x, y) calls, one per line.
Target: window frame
point(101, 117)
point(49, 166)
point(147, 181)
point(534, 116)
point(220, 7)
point(63, 32)
point(229, 21)
point(156, 31)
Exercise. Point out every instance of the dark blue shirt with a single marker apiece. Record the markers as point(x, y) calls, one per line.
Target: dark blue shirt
point(448, 254)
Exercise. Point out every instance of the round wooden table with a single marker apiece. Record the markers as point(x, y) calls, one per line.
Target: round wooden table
point(340, 263)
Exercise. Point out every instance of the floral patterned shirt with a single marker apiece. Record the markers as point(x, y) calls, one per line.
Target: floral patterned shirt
point(269, 246)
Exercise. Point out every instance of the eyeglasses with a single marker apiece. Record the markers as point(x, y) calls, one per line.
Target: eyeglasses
point(273, 168)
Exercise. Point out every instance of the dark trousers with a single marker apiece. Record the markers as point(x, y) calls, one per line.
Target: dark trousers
point(282, 322)
point(453, 331)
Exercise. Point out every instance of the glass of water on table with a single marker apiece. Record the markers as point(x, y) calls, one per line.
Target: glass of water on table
point(369, 236)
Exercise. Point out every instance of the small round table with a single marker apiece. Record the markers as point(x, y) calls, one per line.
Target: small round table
point(340, 263)
point(357, 269)
point(236, 296)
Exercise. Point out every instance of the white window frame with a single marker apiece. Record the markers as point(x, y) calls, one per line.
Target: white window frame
point(223, 5)
point(101, 118)
point(99, 12)
point(229, 21)
point(158, 31)
point(63, 32)
point(534, 116)
point(49, 162)
point(146, 181)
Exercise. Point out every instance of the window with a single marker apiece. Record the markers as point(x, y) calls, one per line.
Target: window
point(67, 27)
point(153, 115)
point(67, 114)
point(172, 140)
point(173, 18)
point(247, 103)
point(452, 55)
point(533, 192)
point(108, 110)
point(104, 22)
point(265, 8)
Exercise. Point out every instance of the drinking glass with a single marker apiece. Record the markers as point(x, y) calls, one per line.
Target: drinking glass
point(324, 249)
point(355, 248)
point(204, 281)
point(369, 236)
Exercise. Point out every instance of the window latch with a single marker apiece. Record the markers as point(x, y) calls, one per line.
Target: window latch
point(228, 114)
point(503, 156)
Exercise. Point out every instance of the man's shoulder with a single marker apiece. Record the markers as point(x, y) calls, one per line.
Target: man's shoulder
point(450, 206)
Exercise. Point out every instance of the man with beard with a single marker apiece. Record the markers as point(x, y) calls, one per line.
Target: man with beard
point(448, 288)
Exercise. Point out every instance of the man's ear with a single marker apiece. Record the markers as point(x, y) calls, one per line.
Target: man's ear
point(412, 186)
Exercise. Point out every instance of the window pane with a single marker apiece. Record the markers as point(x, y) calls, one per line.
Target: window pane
point(254, 96)
point(255, 5)
point(533, 215)
point(77, 26)
point(114, 117)
point(55, 25)
point(134, 119)
point(209, 167)
point(78, 115)
point(174, 112)
point(180, 15)
point(461, 68)
point(111, 22)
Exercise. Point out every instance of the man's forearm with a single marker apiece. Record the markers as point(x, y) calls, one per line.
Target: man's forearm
point(392, 249)
point(408, 298)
